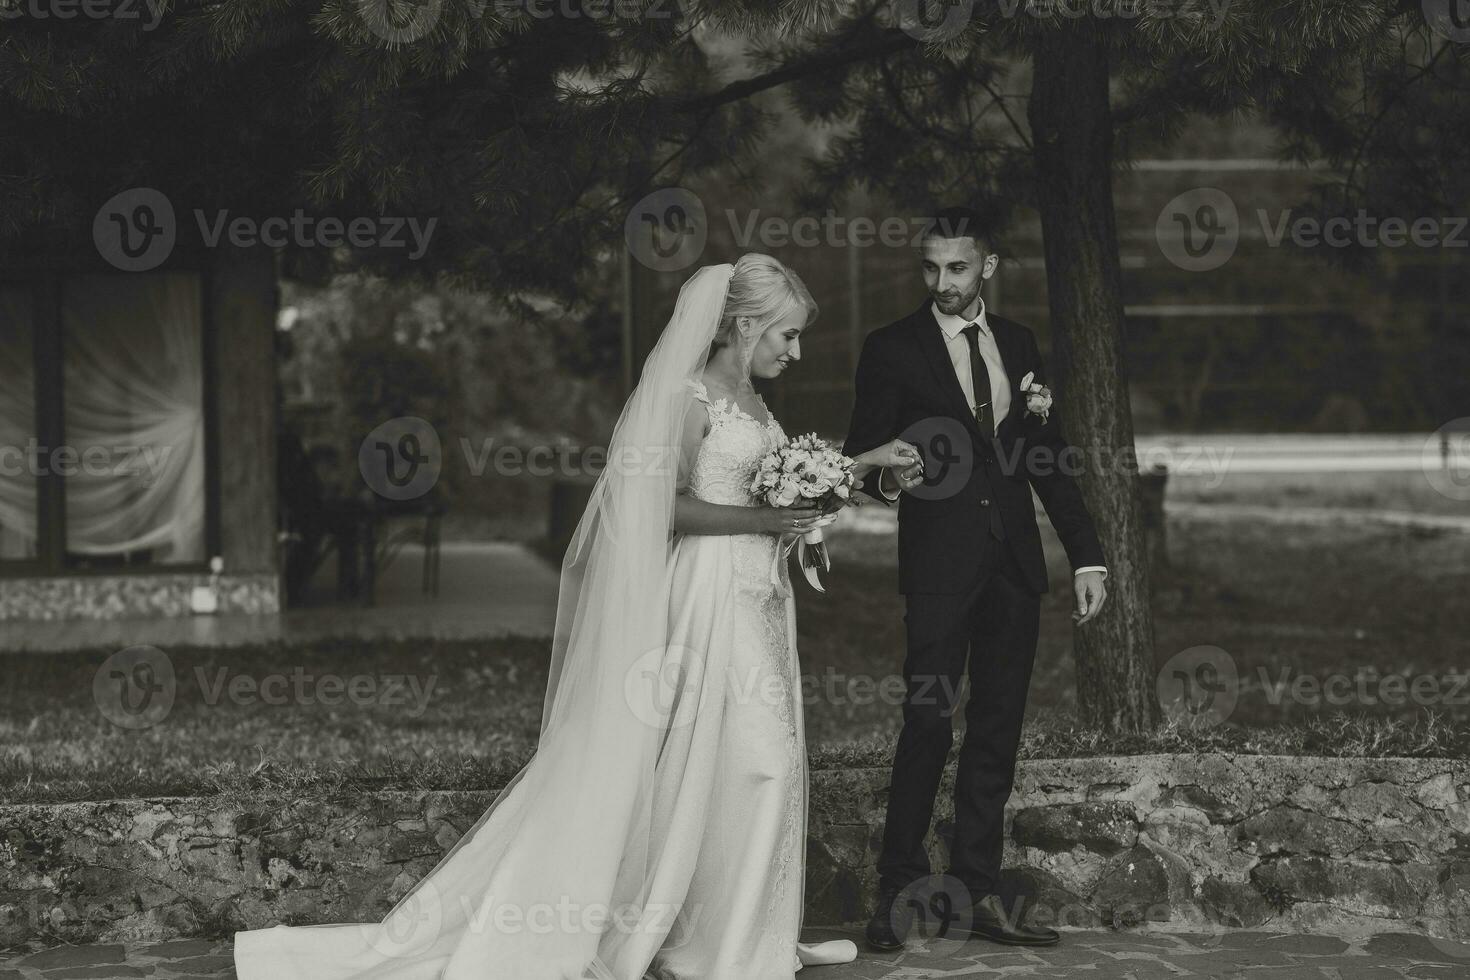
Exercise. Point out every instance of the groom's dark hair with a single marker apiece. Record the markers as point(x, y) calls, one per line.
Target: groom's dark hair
point(960, 222)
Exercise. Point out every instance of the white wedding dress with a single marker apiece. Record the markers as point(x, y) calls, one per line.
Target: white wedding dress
point(659, 831)
point(748, 869)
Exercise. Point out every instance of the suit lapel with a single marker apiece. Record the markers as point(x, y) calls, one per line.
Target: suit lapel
point(931, 341)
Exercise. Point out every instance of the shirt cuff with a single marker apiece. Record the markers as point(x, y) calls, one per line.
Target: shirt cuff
point(1090, 568)
point(882, 472)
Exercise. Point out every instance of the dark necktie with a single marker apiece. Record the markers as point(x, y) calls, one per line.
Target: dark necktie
point(984, 411)
point(980, 381)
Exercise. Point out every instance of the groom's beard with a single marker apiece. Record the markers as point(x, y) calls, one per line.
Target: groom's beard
point(954, 303)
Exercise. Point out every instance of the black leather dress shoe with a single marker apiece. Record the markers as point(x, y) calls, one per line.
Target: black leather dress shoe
point(990, 920)
point(888, 929)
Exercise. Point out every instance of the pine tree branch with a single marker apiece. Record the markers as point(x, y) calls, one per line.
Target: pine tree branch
point(1389, 103)
point(889, 43)
point(999, 101)
point(898, 103)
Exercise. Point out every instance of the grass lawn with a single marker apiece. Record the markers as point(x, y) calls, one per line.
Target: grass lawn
point(1281, 601)
point(1347, 599)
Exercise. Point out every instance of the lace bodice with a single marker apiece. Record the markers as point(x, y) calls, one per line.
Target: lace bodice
point(727, 459)
point(722, 473)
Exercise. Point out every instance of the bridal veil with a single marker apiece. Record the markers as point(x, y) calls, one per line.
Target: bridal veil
point(564, 876)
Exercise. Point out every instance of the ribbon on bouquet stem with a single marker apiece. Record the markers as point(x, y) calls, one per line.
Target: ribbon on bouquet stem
point(811, 550)
point(808, 558)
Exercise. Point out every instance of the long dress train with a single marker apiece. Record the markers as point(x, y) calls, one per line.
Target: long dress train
point(721, 882)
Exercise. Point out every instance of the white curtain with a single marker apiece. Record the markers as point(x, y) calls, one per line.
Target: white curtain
point(17, 426)
point(133, 393)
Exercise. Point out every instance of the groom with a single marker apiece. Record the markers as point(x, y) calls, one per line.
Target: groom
point(947, 379)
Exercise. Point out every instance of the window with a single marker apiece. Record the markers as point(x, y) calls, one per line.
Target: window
point(18, 484)
point(113, 470)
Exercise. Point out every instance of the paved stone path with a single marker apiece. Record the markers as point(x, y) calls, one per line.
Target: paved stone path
point(1082, 954)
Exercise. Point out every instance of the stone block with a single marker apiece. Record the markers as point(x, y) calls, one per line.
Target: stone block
point(1106, 827)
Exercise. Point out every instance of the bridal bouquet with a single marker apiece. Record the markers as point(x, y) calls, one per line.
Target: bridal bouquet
point(808, 470)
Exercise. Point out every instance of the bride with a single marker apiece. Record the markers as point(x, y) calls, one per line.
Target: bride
point(660, 828)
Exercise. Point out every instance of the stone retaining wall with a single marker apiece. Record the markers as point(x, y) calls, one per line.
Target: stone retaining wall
point(124, 596)
point(1345, 846)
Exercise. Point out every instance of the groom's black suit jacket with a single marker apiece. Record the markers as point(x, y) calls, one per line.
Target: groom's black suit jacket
point(906, 388)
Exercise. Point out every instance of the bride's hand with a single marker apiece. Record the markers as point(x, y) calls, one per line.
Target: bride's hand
point(793, 520)
point(896, 455)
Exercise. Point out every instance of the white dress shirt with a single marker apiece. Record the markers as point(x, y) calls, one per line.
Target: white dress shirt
point(959, 355)
point(1000, 384)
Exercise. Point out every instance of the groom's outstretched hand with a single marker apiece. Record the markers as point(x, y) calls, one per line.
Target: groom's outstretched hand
point(1091, 594)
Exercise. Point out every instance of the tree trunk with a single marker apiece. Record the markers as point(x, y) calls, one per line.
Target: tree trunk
point(1072, 132)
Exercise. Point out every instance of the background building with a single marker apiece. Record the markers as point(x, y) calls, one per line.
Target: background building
point(137, 423)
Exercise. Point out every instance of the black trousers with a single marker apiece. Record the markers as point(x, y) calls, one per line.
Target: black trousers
point(993, 630)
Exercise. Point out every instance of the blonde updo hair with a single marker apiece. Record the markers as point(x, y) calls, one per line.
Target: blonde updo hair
point(764, 290)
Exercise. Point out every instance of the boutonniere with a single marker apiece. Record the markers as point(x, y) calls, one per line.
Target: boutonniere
point(1038, 396)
